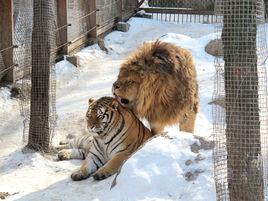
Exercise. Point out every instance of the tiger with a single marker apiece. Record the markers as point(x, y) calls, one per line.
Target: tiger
point(116, 134)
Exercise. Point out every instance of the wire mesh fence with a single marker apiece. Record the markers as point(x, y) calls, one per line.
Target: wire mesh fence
point(37, 88)
point(109, 12)
point(23, 24)
point(180, 11)
point(71, 26)
point(197, 4)
point(128, 6)
point(82, 21)
point(240, 125)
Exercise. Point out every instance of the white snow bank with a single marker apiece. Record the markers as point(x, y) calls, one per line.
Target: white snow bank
point(158, 170)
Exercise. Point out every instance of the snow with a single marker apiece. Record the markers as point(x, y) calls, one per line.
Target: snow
point(159, 172)
point(156, 172)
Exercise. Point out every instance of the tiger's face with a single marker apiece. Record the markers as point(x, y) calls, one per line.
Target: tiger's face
point(99, 115)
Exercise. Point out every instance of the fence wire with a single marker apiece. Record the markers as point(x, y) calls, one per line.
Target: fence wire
point(77, 10)
point(197, 4)
point(81, 21)
point(128, 6)
point(241, 124)
point(182, 11)
point(23, 23)
point(23, 19)
point(109, 12)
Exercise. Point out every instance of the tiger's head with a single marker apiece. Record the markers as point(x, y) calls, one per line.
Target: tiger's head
point(100, 115)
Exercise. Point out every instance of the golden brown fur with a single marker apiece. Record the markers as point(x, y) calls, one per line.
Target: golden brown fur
point(117, 133)
point(158, 82)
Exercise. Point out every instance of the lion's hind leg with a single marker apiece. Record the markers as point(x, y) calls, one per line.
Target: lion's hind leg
point(187, 124)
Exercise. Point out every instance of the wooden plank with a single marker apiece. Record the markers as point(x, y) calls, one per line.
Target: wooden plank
point(62, 33)
point(91, 6)
point(120, 10)
point(89, 36)
point(106, 27)
point(6, 36)
point(178, 11)
point(78, 44)
point(126, 16)
point(129, 9)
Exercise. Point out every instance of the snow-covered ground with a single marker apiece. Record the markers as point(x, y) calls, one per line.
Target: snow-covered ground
point(164, 169)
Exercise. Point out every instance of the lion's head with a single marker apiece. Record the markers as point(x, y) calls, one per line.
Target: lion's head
point(127, 86)
point(143, 77)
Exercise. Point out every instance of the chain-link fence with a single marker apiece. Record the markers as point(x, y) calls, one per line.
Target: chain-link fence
point(182, 11)
point(29, 58)
point(196, 4)
point(23, 24)
point(240, 124)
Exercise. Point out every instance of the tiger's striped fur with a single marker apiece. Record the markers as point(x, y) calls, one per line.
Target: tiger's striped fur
point(117, 133)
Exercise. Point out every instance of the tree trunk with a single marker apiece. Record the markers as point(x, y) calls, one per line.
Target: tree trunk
point(42, 57)
point(244, 167)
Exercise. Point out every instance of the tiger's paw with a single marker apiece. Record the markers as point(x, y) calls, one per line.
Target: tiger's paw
point(79, 175)
point(101, 174)
point(63, 155)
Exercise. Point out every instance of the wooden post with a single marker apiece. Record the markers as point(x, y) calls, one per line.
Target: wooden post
point(121, 10)
point(42, 59)
point(243, 141)
point(62, 33)
point(92, 18)
point(6, 36)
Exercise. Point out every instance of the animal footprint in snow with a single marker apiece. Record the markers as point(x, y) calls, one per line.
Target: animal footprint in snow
point(188, 162)
point(191, 176)
point(202, 144)
point(199, 157)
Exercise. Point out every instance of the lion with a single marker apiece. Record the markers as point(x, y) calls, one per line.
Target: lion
point(158, 83)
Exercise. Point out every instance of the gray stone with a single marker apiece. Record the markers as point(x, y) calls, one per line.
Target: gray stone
point(73, 60)
point(143, 14)
point(122, 26)
point(215, 48)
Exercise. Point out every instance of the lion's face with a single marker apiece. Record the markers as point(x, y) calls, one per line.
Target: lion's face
point(127, 86)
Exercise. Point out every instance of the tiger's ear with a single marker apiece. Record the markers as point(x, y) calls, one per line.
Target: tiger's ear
point(114, 104)
point(90, 101)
